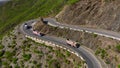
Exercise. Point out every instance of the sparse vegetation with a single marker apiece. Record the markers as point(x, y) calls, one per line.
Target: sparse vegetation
point(118, 47)
point(101, 52)
point(30, 52)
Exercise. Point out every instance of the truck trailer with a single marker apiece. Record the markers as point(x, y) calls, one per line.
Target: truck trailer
point(72, 43)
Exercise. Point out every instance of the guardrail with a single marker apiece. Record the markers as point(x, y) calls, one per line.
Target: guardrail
point(108, 36)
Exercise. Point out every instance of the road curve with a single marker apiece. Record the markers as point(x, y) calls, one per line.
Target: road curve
point(90, 59)
point(106, 33)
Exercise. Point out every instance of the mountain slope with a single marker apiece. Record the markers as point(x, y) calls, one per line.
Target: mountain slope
point(17, 11)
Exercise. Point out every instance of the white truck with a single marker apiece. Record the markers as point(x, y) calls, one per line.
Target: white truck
point(38, 33)
point(72, 43)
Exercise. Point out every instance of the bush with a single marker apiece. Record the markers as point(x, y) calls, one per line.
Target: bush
point(118, 47)
point(54, 64)
point(67, 61)
point(34, 62)
point(2, 53)
point(8, 54)
point(103, 53)
point(14, 60)
point(97, 52)
point(1, 46)
point(26, 56)
point(119, 66)
point(95, 35)
point(68, 53)
point(17, 66)
point(59, 54)
point(39, 65)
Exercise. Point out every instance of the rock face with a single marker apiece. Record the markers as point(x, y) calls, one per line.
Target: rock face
point(93, 13)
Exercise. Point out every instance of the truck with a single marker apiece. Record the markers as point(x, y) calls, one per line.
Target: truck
point(72, 43)
point(38, 33)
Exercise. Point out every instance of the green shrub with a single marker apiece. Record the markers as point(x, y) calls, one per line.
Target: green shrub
point(17, 66)
point(1, 46)
point(95, 35)
point(2, 53)
point(5, 63)
point(14, 60)
point(49, 56)
point(59, 54)
point(34, 62)
point(53, 64)
point(26, 56)
point(67, 61)
point(9, 54)
point(97, 52)
point(119, 66)
point(68, 53)
point(39, 65)
point(118, 47)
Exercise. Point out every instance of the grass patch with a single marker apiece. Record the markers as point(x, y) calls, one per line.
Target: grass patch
point(72, 1)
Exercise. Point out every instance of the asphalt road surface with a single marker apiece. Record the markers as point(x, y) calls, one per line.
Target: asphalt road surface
point(106, 33)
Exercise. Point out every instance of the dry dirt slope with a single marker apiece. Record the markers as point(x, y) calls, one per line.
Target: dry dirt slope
point(103, 14)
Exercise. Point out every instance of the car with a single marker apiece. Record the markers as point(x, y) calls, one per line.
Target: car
point(27, 26)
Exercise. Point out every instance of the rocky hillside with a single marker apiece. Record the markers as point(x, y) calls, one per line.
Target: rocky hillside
point(104, 14)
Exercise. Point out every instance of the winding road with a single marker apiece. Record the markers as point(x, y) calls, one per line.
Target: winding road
point(101, 32)
point(91, 60)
